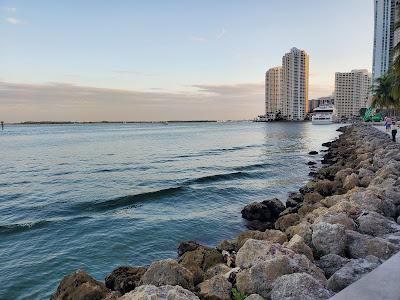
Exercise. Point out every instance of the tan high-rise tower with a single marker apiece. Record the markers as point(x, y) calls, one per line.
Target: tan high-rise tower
point(294, 89)
point(273, 78)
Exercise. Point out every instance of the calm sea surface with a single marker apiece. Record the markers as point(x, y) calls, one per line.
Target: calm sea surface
point(99, 196)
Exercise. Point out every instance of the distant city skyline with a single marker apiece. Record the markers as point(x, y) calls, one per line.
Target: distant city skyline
point(175, 60)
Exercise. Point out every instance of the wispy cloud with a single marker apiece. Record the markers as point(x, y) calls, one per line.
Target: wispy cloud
point(199, 39)
point(221, 34)
point(10, 9)
point(13, 21)
point(134, 73)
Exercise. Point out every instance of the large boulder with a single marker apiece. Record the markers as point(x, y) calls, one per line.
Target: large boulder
point(220, 269)
point(331, 263)
point(325, 187)
point(361, 245)
point(298, 245)
point(215, 288)
point(124, 279)
point(187, 246)
point(274, 236)
point(166, 292)
point(168, 272)
point(80, 286)
point(351, 181)
point(299, 286)
point(375, 224)
point(302, 229)
point(351, 272)
point(260, 277)
point(369, 200)
point(337, 218)
point(312, 198)
point(286, 221)
point(329, 238)
point(267, 210)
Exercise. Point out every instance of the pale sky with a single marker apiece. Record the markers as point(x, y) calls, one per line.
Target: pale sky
point(168, 60)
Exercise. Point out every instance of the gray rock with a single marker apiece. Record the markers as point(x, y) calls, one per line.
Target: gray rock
point(361, 245)
point(351, 272)
point(168, 272)
point(124, 279)
point(329, 238)
point(375, 224)
point(259, 278)
point(286, 221)
point(299, 286)
point(267, 210)
point(254, 297)
point(166, 292)
point(274, 236)
point(80, 286)
point(298, 245)
point(219, 269)
point(302, 229)
point(331, 263)
point(215, 288)
point(351, 181)
point(337, 218)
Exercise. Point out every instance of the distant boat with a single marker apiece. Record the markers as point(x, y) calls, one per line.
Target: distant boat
point(323, 114)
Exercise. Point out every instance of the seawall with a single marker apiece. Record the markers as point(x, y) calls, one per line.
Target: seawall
point(340, 226)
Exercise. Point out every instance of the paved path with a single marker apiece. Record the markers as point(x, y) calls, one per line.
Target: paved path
point(383, 283)
point(382, 128)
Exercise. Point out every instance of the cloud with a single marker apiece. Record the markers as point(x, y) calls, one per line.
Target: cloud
point(221, 34)
point(199, 39)
point(135, 73)
point(10, 9)
point(13, 21)
point(61, 101)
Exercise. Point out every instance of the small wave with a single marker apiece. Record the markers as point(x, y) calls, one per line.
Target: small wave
point(218, 177)
point(252, 167)
point(128, 200)
point(15, 228)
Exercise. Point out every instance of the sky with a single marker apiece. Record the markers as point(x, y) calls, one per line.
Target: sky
point(153, 60)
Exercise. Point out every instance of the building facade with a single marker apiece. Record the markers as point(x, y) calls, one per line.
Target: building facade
point(385, 36)
point(273, 103)
point(352, 91)
point(294, 89)
point(314, 103)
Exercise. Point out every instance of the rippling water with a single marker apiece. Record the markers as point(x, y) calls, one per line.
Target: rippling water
point(99, 196)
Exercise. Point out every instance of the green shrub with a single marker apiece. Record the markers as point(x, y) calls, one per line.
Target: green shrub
point(236, 295)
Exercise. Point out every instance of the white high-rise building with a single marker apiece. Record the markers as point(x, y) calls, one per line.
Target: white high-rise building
point(273, 103)
point(294, 89)
point(352, 90)
point(385, 37)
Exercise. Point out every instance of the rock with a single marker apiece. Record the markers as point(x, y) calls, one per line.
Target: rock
point(220, 269)
point(331, 263)
point(312, 198)
point(227, 245)
point(286, 221)
point(259, 225)
point(124, 279)
point(398, 220)
point(166, 292)
point(341, 175)
point(267, 211)
point(327, 144)
point(368, 200)
point(274, 236)
point(332, 200)
point(168, 272)
point(302, 229)
point(375, 224)
point(187, 246)
point(351, 181)
point(298, 245)
point(329, 238)
point(361, 245)
point(351, 272)
point(313, 152)
point(216, 288)
point(200, 260)
point(337, 218)
point(311, 163)
point(351, 209)
point(255, 251)
point(325, 187)
point(229, 258)
point(299, 286)
point(80, 286)
point(259, 278)
point(254, 297)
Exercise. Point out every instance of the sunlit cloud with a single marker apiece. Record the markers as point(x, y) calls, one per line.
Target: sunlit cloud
point(13, 21)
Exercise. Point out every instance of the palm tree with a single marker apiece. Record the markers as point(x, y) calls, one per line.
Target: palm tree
point(383, 92)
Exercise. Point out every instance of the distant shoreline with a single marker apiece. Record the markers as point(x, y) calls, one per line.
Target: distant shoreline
point(116, 122)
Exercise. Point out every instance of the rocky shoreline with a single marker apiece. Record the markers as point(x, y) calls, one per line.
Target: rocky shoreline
point(341, 225)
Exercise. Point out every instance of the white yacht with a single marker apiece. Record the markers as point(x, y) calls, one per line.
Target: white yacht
point(324, 114)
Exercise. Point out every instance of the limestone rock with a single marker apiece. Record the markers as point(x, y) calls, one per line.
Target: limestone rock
point(329, 238)
point(351, 181)
point(375, 224)
point(299, 286)
point(286, 221)
point(312, 198)
point(337, 218)
point(254, 297)
point(274, 236)
point(331, 263)
point(298, 245)
point(220, 269)
point(227, 245)
point(187, 246)
point(268, 210)
point(302, 229)
point(216, 288)
point(351, 272)
point(325, 187)
point(80, 286)
point(361, 245)
point(168, 272)
point(124, 279)
point(166, 292)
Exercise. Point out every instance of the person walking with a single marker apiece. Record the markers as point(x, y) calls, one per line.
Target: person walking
point(394, 131)
point(388, 123)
